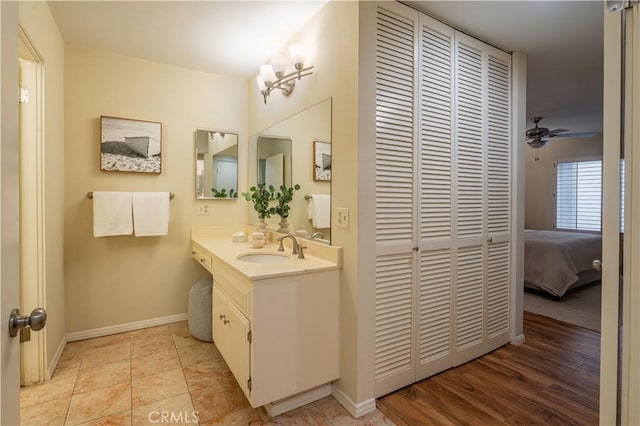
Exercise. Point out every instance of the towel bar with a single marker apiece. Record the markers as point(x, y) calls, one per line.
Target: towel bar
point(171, 195)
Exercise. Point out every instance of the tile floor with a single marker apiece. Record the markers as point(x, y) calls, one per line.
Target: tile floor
point(137, 377)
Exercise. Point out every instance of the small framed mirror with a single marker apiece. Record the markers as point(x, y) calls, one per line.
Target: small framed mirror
point(216, 164)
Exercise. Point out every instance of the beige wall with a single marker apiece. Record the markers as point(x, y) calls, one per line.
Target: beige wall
point(117, 280)
point(540, 181)
point(37, 22)
point(332, 38)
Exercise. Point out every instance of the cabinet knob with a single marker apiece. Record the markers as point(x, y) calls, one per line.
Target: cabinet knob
point(193, 252)
point(202, 259)
point(226, 321)
point(221, 316)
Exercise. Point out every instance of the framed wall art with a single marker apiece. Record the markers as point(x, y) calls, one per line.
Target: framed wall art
point(321, 161)
point(128, 145)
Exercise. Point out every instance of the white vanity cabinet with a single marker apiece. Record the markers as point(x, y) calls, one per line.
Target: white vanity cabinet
point(232, 336)
point(277, 327)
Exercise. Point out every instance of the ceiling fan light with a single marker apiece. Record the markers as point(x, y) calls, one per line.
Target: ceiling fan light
point(537, 143)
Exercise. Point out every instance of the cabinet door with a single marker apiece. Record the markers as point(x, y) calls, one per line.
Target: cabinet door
point(238, 347)
point(219, 313)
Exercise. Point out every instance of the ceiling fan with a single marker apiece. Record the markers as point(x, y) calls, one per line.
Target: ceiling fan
point(537, 136)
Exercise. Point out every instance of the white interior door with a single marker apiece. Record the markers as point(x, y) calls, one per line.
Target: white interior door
point(630, 359)
point(9, 198)
point(226, 175)
point(610, 219)
point(274, 170)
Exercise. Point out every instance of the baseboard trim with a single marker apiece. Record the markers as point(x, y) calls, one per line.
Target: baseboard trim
point(122, 328)
point(356, 410)
point(51, 369)
point(518, 340)
point(304, 398)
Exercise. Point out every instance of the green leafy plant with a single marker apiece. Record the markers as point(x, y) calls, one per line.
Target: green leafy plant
point(284, 197)
point(260, 196)
point(223, 193)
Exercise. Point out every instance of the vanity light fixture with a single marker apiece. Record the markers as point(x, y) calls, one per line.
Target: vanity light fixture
point(272, 76)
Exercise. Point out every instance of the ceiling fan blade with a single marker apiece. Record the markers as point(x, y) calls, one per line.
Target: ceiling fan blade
point(555, 131)
point(575, 135)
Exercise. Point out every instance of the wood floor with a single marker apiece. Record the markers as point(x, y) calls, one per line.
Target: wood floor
point(552, 379)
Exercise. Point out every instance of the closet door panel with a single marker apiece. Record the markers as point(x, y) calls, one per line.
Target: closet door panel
point(394, 366)
point(436, 198)
point(469, 125)
point(498, 144)
point(436, 132)
point(395, 133)
point(498, 290)
point(395, 201)
point(435, 317)
point(469, 297)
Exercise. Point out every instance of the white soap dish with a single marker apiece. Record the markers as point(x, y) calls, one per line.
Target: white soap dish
point(239, 237)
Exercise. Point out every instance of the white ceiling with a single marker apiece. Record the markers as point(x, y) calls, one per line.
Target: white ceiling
point(222, 37)
point(562, 39)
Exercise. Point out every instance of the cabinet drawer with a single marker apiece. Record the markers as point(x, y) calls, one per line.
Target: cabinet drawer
point(202, 258)
point(237, 290)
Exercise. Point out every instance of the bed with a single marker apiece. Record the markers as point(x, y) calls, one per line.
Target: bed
point(557, 262)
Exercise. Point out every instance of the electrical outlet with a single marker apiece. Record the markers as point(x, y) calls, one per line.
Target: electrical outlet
point(203, 210)
point(343, 217)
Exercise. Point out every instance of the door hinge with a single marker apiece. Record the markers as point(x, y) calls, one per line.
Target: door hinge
point(249, 383)
point(24, 95)
point(249, 337)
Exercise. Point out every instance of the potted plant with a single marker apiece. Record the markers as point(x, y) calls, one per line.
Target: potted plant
point(260, 196)
point(282, 209)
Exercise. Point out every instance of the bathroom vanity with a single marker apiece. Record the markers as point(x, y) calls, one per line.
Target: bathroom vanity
point(275, 317)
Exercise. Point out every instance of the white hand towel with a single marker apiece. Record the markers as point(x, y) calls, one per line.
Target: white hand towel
point(320, 211)
point(150, 213)
point(112, 214)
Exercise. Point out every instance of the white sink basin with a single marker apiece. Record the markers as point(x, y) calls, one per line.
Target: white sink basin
point(263, 257)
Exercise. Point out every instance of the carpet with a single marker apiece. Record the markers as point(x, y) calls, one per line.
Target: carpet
point(580, 307)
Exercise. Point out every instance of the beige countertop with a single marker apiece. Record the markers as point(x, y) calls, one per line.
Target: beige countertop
point(222, 249)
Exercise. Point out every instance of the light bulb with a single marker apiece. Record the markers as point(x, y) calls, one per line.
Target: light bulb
point(279, 64)
point(297, 52)
point(267, 74)
point(261, 84)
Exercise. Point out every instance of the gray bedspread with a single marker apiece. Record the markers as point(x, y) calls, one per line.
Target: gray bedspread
point(552, 259)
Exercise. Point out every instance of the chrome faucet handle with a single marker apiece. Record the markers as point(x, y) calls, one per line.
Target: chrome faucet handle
point(300, 252)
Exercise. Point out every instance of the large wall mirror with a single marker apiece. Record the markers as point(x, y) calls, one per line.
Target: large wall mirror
point(286, 152)
point(216, 164)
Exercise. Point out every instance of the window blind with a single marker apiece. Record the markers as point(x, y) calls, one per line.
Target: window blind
point(579, 195)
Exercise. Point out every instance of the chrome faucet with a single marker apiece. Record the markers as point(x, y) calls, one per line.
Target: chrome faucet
point(317, 235)
point(297, 248)
point(293, 240)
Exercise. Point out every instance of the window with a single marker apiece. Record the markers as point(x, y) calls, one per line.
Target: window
point(579, 195)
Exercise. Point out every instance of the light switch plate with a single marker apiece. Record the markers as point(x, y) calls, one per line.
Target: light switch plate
point(343, 217)
point(203, 210)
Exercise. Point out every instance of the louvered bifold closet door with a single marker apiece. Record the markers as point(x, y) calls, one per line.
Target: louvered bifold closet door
point(395, 202)
point(436, 198)
point(470, 172)
point(498, 195)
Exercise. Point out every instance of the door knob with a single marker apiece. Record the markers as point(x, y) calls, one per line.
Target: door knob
point(596, 264)
point(36, 320)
